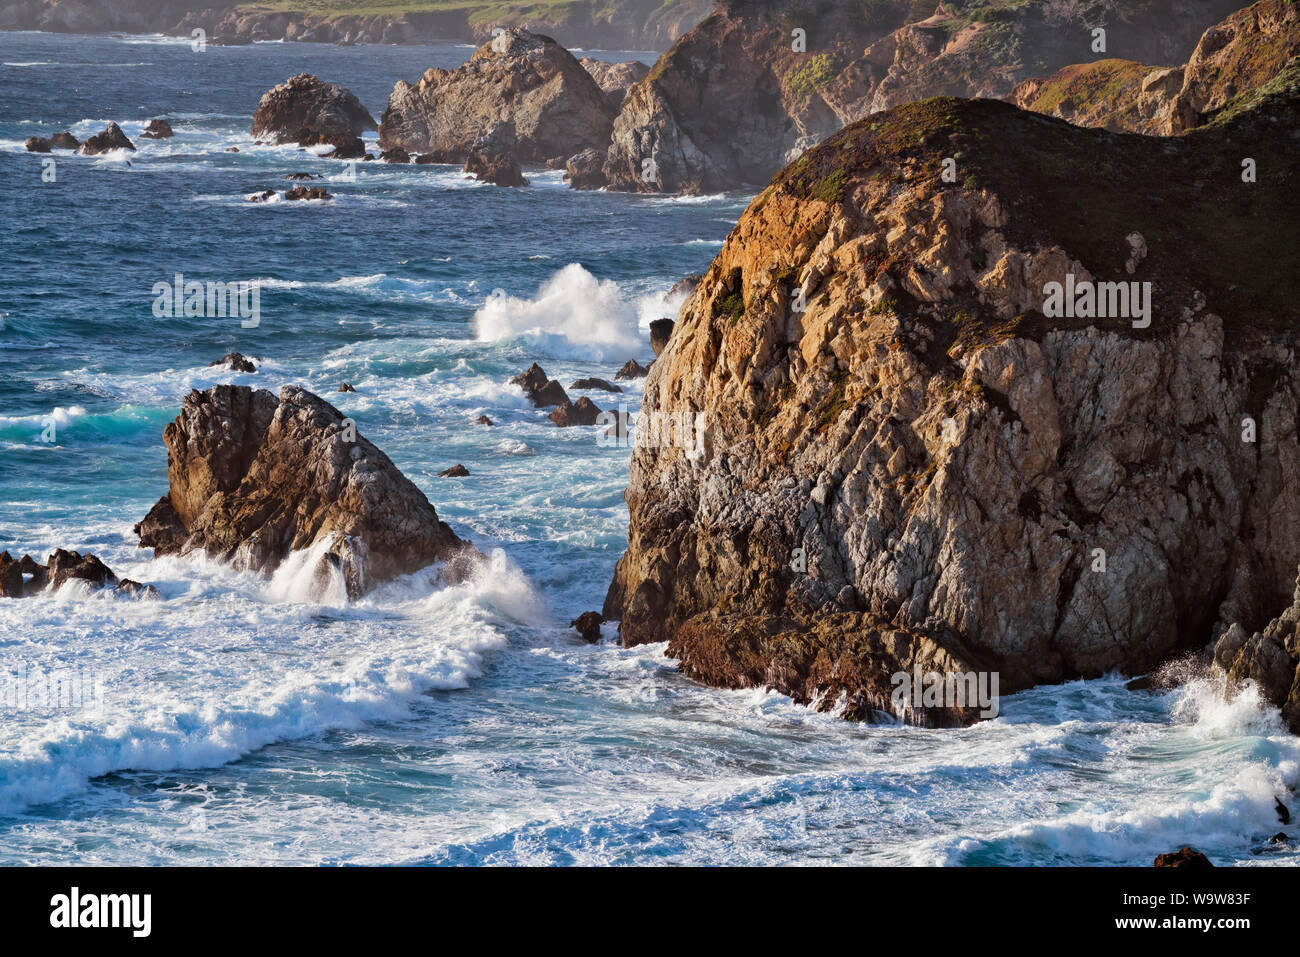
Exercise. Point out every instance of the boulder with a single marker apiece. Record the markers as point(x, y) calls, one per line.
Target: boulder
point(515, 77)
point(594, 383)
point(37, 144)
point(112, 138)
point(493, 157)
point(157, 130)
point(64, 141)
point(307, 192)
point(540, 390)
point(588, 625)
point(236, 362)
point(582, 412)
point(585, 170)
point(1184, 857)
point(632, 370)
point(133, 589)
point(304, 102)
point(64, 565)
point(254, 477)
point(346, 387)
point(261, 197)
point(11, 577)
point(484, 420)
point(456, 471)
point(660, 332)
point(302, 176)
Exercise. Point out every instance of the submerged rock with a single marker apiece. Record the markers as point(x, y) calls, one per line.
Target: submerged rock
point(516, 77)
point(594, 383)
point(157, 130)
point(346, 387)
point(237, 362)
point(254, 477)
point(306, 104)
point(306, 192)
point(484, 420)
point(112, 138)
point(456, 471)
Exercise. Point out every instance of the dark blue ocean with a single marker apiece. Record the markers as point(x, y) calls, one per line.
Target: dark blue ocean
point(244, 719)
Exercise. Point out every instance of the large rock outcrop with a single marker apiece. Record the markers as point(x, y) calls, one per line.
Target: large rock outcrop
point(1240, 54)
point(733, 100)
point(254, 477)
point(886, 454)
point(305, 104)
point(517, 77)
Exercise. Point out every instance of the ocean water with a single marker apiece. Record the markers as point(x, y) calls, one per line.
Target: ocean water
point(247, 720)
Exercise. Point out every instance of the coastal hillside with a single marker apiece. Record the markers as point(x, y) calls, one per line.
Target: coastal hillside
point(618, 24)
point(743, 93)
point(913, 453)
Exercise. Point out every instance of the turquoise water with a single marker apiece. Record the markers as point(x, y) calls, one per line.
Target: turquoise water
point(241, 719)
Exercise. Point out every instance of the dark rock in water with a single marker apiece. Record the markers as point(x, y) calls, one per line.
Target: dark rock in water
point(456, 471)
point(1140, 684)
point(112, 138)
point(1184, 857)
point(232, 149)
point(395, 155)
point(1283, 814)
point(306, 103)
point(301, 176)
point(254, 477)
point(11, 577)
point(347, 149)
point(64, 141)
point(157, 130)
point(684, 286)
point(40, 574)
point(661, 331)
point(64, 565)
point(306, 192)
point(594, 383)
point(582, 412)
point(133, 588)
point(588, 625)
point(632, 370)
point(430, 159)
point(540, 390)
point(493, 158)
point(585, 170)
point(37, 144)
point(236, 361)
point(261, 197)
point(484, 420)
point(1279, 838)
point(346, 387)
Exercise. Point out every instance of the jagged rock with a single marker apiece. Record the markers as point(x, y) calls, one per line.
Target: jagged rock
point(157, 130)
point(684, 286)
point(493, 158)
point(661, 331)
point(306, 103)
point(64, 141)
point(1269, 657)
point(11, 577)
point(484, 420)
point(921, 467)
point(236, 361)
point(582, 412)
point(517, 77)
point(64, 565)
point(1184, 857)
point(40, 574)
point(301, 176)
point(1283, 813)
point(254, 477)
point(588, 625)
point(306, 192)
point(36, 144)
point(456, 471)
point(615, 79)
point(395, 155)
point(261, 197)
point(112, 138)
point(346, 387)
point(585, 170)
point(594, 383)
point(134, 589)
point(632, 370)
point(540, 390)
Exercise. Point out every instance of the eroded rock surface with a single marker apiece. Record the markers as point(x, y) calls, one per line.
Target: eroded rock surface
point(307, 103)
